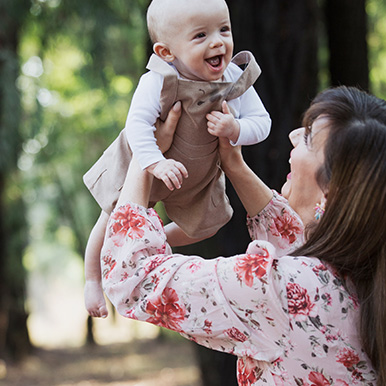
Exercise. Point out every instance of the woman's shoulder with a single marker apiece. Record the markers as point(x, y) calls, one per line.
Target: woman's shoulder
point(289, 266)
point(316, 279)
point(296, 265)
point(301, 277)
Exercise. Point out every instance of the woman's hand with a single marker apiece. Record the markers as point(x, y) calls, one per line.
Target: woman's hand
point(138, 182)
point(223, 123)
point(165, 130)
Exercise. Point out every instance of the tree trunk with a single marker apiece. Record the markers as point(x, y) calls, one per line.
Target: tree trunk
point(14, 340)
point(283, 37)
point(346, 25)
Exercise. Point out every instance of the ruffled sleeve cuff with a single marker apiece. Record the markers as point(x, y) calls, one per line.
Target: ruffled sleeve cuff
point(279, 224)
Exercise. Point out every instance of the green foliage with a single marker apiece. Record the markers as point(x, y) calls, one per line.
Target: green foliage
point(80, 62)
point(376, 11)
point(13, 13)
point(10, 112)
point(13, 332)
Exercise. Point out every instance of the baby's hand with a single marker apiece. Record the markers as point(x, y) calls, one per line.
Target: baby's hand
point(171, 172)
point(223, 124)
point(94, 299)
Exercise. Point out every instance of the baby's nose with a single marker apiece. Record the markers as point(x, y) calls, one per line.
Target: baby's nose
point(216, 42)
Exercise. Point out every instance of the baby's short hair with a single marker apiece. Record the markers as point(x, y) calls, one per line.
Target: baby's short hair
point(162, 15)
point(157, 18)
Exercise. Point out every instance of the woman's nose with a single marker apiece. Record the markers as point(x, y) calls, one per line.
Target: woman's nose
point(296, 135)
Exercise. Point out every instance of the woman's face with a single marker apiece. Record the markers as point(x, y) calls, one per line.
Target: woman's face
point(301, 189)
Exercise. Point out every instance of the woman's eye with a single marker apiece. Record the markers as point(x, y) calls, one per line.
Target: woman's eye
point(305, 138)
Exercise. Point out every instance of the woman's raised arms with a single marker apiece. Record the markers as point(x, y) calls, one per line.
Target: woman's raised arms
point(252, 191)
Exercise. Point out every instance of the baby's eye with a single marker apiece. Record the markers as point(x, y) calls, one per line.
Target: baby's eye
point(200, 35)
point(225, 29)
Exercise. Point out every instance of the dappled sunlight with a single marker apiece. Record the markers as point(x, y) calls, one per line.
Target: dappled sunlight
point(128, 353)
point(139, 363)
point(55, 300)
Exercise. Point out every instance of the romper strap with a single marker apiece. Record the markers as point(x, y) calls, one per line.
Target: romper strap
point(249, 76)
point(170, 84)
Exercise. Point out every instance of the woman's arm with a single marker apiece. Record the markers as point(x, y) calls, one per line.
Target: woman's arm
point(138, 182)
point(270, 216)
point(145, 281)
point(137, 186)
point(252, 191)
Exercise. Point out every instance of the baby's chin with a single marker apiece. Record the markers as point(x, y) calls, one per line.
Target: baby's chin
point(217, 78)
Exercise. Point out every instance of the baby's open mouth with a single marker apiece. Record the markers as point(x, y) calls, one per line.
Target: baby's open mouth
point(215, 61)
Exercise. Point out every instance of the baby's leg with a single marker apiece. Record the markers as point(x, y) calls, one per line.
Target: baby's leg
point(176, 237)
point(93, 294)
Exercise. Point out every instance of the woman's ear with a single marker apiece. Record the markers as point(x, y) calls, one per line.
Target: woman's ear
point(163, 51)
point(325, 195)
point(323, 201)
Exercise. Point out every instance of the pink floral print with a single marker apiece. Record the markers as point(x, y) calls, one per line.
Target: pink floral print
point(290, 320)
point(127, 223)
point(250, 267)
point(278, 224)
point(247, 372)
point(236, 334)
point(347, 357)
point(287, 227)
point(300, 306)
point(318, 379)
point(165, 310)
point(109, 264)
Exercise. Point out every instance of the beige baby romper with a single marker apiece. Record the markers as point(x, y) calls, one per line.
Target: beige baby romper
point(201, 206)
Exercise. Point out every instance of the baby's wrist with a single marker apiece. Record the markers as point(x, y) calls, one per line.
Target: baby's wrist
point(151, 167)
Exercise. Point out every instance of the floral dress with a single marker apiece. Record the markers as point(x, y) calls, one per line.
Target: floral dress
point(289, 320)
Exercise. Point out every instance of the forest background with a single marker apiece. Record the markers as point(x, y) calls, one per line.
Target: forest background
point(68, 69)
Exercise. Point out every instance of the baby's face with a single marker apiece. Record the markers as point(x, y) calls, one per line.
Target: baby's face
point(200, 38)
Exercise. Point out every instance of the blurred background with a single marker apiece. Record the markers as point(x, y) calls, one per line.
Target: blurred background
point(68, 69)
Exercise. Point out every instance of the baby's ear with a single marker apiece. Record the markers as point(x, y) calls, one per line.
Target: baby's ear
point(163, 51)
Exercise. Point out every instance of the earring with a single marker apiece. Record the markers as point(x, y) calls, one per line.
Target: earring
point(319, 211)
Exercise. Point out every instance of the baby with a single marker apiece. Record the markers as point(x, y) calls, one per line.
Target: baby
point(192, 63)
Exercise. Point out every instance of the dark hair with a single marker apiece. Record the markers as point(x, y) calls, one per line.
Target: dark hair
point(351, 235)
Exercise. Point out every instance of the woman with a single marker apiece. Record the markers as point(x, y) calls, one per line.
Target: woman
point(315, 317)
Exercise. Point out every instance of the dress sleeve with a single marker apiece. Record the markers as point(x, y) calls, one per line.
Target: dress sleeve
point(236, 305)
point(279, 224)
